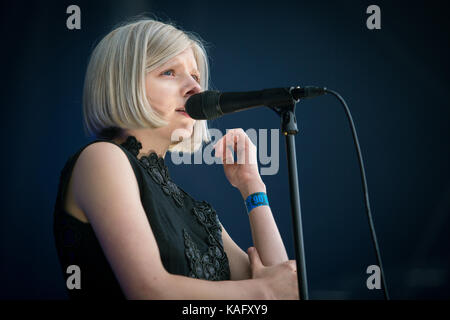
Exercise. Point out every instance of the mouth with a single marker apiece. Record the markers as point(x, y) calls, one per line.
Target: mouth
point(182, 111)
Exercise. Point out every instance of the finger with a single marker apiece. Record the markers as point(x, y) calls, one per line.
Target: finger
point(218, 149)
point(293, 265)
point(230, 140)
point(229, 159)
point(223, 151)
point(255, 260)
point(229, 137)
point(226, 144)
point(240, 145)
point(246, 150)
point(243, 146)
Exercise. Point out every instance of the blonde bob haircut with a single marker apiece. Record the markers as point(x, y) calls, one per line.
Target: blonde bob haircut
point(114, 96)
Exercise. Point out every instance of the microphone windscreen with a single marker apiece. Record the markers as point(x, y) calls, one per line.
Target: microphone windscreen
point(204, 105)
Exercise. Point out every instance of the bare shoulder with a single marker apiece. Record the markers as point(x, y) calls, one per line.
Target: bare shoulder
point(91, 157)
point(100, 151)
point(103, 169)
point(106, 189)
point(97, 166)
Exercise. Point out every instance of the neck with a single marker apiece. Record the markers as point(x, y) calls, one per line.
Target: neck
point(152, 140)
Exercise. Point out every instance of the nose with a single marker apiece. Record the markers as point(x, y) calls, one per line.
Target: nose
point(192, 87)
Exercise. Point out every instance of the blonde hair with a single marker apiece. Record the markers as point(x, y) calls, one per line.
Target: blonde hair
point(114, 89)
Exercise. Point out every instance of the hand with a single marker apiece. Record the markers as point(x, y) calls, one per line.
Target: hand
point(280, 280)
point(242, 174)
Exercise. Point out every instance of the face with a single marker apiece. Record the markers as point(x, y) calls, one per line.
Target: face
point(169, 86)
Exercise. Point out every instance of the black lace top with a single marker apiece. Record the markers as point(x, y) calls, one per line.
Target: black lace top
point(188, 232)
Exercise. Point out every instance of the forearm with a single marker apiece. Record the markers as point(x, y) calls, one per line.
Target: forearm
point(266, 237)
point(178, 287)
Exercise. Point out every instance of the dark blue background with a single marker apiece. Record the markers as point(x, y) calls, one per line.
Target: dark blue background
point(395, 81)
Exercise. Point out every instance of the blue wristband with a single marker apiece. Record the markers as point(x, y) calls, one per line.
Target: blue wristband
point(255, 200)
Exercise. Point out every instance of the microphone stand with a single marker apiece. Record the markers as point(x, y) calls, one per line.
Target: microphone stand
point(289, 129)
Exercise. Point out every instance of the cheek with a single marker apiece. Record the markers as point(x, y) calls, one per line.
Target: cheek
point(158, 95)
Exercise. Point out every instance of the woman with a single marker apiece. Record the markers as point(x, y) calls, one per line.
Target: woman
point(121, 220)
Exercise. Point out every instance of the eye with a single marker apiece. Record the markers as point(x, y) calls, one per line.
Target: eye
point(197, 78)
point(164, 73)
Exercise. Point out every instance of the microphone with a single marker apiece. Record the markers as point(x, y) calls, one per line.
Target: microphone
point(209, 105)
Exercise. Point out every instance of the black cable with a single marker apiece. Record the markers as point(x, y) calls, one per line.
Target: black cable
point(365, 189)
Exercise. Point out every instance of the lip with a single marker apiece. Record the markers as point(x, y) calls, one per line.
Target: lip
point(184, 113)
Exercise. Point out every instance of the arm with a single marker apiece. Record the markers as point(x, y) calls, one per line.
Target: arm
point(265, 234)
point(244, 176)
point(266, 239)
point(239, 260)
point(106, 189)
point(185, 288)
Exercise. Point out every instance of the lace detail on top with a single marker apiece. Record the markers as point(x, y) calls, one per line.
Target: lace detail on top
point(157, 169)
point(212, 264)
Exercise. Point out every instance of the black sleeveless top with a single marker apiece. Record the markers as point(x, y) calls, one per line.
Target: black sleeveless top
point(188, 232)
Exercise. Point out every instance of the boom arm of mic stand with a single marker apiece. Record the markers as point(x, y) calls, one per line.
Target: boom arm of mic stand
point(289, 129)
